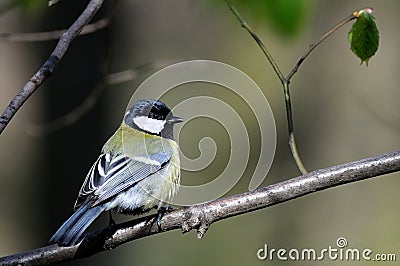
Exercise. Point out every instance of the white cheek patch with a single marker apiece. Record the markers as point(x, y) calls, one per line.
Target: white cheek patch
point(149, 124)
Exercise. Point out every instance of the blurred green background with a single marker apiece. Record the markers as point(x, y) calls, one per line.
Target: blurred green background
point(342, 112)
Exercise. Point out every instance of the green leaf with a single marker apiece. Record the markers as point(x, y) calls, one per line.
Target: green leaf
point(364, 35)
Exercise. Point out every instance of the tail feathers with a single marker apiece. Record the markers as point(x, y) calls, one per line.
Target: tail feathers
point(72, 229)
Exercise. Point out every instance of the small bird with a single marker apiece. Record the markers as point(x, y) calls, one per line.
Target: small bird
point(137, 170)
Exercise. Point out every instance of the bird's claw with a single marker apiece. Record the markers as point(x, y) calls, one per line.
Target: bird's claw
point(161, 212)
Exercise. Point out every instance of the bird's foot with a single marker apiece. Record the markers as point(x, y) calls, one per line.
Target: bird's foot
point(161, 213)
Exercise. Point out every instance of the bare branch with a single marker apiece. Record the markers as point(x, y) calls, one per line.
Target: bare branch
point(89, 102)
point(56, 34)
point(260, 43)
point(286, 80)
point(285, 83)
point(201, 216)
point(51, 35)
point(315, 45)
point(48, 67)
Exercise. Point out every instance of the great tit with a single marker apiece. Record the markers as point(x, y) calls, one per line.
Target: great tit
point(137, 170)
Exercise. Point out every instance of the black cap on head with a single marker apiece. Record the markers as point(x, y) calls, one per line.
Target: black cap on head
point(152, 109)
point(160, 116)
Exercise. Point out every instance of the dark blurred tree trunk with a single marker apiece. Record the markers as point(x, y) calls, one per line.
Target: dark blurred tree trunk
point(70, 151)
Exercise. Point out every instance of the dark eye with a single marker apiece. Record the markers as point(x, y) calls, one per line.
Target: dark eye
point(159, 111)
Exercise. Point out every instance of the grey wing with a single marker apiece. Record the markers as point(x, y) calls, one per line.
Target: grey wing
point(112, 174)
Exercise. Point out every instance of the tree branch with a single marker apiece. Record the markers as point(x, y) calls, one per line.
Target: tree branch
point(315, 45)
point(286, 80)
point(259, 42)
point(78, 112)
point(56, 34)
point(52, 35)
point(201, 216)
point(48, 67)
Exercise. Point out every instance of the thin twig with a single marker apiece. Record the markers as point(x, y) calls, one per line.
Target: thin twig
point(292, 140)
point(48, 67)
point(51, 35)
point(286, 80)
point(132, 74)
point(56, 34)
point(285, 84)
point(44, 129)
point(201, 216)
point(89, 102)
point(245, 25)
point(295, 154)
point(315, 45)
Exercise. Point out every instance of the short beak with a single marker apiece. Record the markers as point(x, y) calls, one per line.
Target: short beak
point(175, 120)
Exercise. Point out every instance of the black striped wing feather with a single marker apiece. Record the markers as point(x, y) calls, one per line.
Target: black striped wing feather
point(111, 174)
